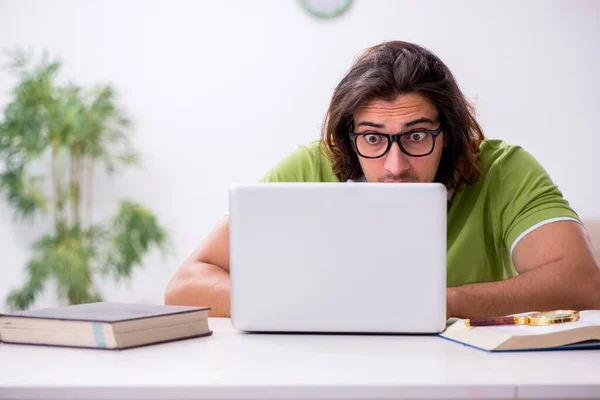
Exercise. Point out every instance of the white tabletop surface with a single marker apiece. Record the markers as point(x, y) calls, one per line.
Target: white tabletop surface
point(234, 365)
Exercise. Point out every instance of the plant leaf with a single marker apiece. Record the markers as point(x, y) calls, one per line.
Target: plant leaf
point(106, 131)
point(23, 192)
point(134, 232)
point(24, 132)
point(38, 272)
point(69, 258)
point(72, 259)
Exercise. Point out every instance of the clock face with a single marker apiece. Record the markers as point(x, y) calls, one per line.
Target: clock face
point(325, 8)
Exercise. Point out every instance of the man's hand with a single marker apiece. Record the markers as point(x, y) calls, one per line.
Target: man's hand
point(557, 270)
point(449, 303)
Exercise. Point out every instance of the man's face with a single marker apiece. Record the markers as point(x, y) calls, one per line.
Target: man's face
point(406, 113)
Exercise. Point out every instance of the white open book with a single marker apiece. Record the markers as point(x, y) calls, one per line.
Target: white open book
point(584, 333)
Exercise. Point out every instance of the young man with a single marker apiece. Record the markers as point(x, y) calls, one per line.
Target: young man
point(514, 243)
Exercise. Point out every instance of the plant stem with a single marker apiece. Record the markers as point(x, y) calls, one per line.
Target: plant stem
point(89, 188)
point(75, 197)
point(59, 193)
point(55, 188)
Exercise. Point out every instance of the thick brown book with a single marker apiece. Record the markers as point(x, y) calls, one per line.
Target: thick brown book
point(104, 325)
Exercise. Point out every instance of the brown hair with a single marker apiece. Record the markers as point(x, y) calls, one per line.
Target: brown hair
point(385, 71)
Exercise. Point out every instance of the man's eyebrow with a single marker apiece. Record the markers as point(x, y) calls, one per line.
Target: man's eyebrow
point(418, 121)
point(371, 124)
point(406, 125)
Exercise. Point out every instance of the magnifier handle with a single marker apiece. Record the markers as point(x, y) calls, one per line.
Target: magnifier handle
point(494, 321)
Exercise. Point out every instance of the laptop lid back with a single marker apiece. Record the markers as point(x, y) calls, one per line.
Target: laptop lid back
point(338, 257)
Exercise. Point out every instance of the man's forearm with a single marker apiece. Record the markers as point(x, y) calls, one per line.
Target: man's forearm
point(201, 284)
point(548, 287)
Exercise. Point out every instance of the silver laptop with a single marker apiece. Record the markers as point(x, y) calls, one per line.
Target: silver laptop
point(338, 257)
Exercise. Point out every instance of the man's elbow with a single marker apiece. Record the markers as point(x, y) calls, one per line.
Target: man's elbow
point(595, 293)
point(591, 283)
point(175, 291)
point(171, 296)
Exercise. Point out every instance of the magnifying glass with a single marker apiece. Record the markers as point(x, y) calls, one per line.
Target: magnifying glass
point(537, 319)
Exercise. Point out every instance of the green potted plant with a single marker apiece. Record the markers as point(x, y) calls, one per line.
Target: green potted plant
point(70, 131)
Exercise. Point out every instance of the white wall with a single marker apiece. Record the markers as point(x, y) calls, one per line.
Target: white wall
point(221, 90)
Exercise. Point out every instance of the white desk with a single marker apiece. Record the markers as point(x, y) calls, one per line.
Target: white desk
point(234, 365)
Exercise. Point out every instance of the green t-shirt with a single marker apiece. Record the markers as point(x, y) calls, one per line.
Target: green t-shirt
point(513, 195)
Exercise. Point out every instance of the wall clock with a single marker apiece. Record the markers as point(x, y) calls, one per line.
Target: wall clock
point(325, 9)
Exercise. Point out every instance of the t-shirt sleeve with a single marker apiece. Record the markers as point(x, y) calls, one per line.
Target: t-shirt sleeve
point(526, 197)
point(299, 166)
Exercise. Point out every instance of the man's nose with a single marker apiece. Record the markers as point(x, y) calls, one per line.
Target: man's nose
point(396, 161)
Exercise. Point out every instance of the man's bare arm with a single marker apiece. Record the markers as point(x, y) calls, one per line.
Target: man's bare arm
point(203, 279)
point(557, 270)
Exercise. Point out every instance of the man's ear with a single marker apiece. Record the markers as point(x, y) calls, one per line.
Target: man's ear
point(446, 140)
point(350, 130)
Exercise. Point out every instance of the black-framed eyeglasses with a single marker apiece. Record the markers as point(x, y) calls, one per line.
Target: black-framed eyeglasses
point(417, 143)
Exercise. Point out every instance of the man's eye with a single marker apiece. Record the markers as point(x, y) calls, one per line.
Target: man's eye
point(417, 136)
point(372, 139)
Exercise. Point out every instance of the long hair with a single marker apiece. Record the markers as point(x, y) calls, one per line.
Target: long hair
point(385, 71)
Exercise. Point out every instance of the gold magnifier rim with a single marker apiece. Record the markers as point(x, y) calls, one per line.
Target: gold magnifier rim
point(547, 318)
